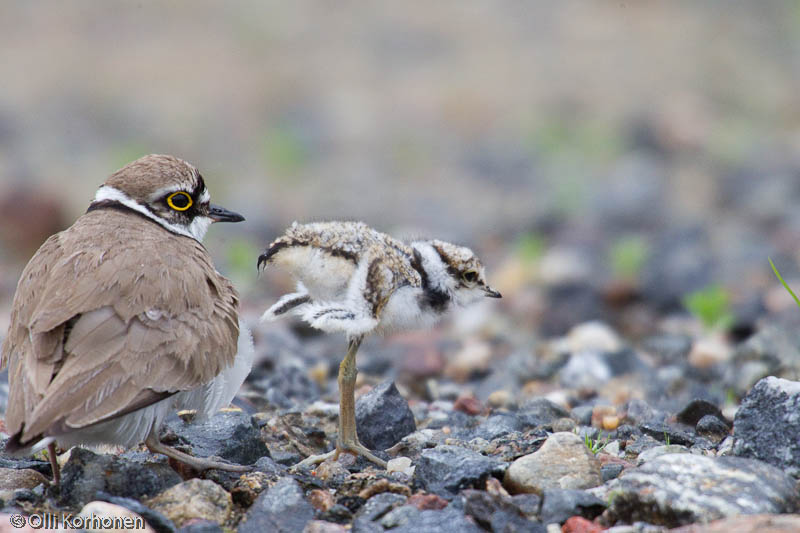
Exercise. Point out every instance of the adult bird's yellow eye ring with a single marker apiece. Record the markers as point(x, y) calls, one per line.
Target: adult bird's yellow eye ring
point(179, 201)
point(470, 276)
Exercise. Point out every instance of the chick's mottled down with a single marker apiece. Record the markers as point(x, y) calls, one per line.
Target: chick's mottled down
point(355, 280)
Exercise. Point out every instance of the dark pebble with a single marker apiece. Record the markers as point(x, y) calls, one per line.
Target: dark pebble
point(668, 348)
point(447, 520)
point(374, 509)
point(231, 435)
point(445, 470)
point(383, 417)
point(87, 473)
point(668, 433)
point(536, 412)
point(281, 509)
point(558, 505)
point(712, 428)
point(697, 409)
point(495, 513)
point(611, 471)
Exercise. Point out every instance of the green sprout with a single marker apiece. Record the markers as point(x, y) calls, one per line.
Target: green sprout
point(711, 306)
point(627, 256)
point(531, 247)
point(785, 285)
point(595, 445)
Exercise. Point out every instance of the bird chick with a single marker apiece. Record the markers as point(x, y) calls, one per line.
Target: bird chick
point(355, 280)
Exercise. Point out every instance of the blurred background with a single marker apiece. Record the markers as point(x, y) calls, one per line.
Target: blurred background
point(634, 162)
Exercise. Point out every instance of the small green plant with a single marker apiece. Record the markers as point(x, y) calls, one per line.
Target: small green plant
point(531, 247)
point(595, 445)
point(627, 256)
point(711, 306)
point(785, 285)
point(666, 438)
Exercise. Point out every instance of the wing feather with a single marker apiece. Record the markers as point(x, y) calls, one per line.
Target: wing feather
point(99, 332)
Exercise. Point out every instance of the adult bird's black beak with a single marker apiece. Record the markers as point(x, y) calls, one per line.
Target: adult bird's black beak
point(491, 293)
point(220, 214)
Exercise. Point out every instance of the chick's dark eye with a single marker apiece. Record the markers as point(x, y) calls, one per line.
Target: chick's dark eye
point(470, 276)
point(179, 201)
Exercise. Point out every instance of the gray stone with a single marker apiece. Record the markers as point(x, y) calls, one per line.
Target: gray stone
point(536, 412)
point(563, 462)
point(678, 489)
point(282, 509)
point(87, 473)
point(231, 435)
point(495, 512)
point(658, 451)
point(445, 470)
point(712, 428)
point(558, 505)
point(447, 520)
point(383, 417)
point(767, 424)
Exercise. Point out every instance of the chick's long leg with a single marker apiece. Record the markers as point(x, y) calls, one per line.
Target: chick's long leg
point(347, 441)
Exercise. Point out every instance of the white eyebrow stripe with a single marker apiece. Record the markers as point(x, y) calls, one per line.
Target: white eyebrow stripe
point(106, 193)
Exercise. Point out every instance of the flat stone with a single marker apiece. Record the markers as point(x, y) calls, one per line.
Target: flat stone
point(563, 462)
point(445, 470)
point(196, 498)
point(280, 509)
point(231, 435)
point(678, 489)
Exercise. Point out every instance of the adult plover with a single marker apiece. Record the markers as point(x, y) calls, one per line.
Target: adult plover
point(122, 318)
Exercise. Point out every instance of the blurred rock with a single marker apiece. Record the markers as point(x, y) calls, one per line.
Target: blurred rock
point(383, 417)
point(374, 509)
point(563, 462)
point(762, 523)
point(28, 216)
point(679, 489)
point(558, 505)
point(25, 478)
point(767, 426)
point(196, 498)
point(495, 513)
point(658, 451)
point(282, 509)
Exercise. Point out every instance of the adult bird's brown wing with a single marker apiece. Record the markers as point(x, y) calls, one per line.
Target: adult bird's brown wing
point(112, 315)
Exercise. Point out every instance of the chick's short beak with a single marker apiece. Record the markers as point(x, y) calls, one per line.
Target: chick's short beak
point(491, 293)
point(220, 214)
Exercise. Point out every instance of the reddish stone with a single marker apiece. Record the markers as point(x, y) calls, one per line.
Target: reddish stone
point(578, 524)
point(426, 502)
point(470, 405)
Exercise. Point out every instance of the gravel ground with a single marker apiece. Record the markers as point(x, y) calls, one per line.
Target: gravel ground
point(625, 171)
